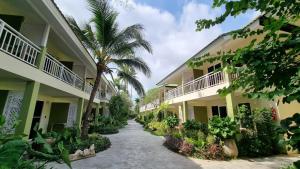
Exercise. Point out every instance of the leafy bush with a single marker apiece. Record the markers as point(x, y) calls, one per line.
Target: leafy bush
point(210, 139)
point(194, 125)
point(107, 130)
point(101, 143)
point(158, 128)
point(172, 121)
point(290, 127)
point(263, 141)
point(196, 143)
point(223, 128)
point(211, 152)
point(15, 152)
point(186, 148)
point(173, 143)
point(245, 117)
point(178, 145)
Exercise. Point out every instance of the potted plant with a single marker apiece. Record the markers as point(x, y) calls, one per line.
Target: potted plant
point(225, 129)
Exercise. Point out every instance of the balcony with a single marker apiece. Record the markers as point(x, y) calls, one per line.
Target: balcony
point(18, 46)
point(150, 106)
point(204, 82)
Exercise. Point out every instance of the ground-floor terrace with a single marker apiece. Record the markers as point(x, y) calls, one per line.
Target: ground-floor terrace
point(134, 148)
point(202, 109)
point(33, 103)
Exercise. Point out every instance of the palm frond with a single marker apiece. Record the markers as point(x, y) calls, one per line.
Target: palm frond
point(133, 82)
point(104, 20)
point(134, 62)
point(82, 34)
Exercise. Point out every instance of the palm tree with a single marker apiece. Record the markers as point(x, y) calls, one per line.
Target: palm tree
point(109, 45)
point(128, 76)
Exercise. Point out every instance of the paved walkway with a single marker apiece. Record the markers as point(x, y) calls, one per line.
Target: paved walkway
point(134, 148)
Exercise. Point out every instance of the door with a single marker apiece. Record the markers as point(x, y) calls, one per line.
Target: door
point(36, 117)
point(200, 113)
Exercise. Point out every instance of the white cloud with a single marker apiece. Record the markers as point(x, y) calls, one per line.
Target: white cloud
point(174, 40)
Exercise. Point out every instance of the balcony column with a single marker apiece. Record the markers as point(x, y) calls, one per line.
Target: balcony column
point(230, 99)
point(41, 58)
point(84, 79)
point(80, 110)
point(27, 108)
point(185, 111)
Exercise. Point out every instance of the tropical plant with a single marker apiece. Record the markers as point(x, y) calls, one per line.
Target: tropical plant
point(172, 121)
point(291, 127)
point(270, 67)
point(15, 152)
point(264, 140)
point(110, 45)
point(151, 95)
point(223, 128)
point(245, 117)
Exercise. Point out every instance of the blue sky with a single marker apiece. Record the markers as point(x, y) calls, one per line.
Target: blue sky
point(169, 26)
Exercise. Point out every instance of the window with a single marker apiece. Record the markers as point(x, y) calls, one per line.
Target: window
point(220, 111)
point(215, 110)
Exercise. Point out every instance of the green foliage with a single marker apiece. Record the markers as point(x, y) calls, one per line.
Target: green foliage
point(245, 117)
point(224, 128)
point(15, 152)
point(120, 107)
point(158, 128)
point(172, 121)
point(101, 143)
point(263, 141)
point(194, 125)
point(151, 95)
point(291, 127)
point(270, 67)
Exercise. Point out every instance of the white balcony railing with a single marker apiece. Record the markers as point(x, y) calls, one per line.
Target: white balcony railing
point(58, 70)
point(203, 82)
point(17, 45)
point(150, 106)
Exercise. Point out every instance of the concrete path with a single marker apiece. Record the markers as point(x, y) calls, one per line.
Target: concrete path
point(133, 148)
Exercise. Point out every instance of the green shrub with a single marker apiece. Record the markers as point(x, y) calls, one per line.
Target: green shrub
point(264, 141)
point(101, 143)
point(15, 152)
point(108, 130)
point(196, 143)
point(223, 128)
point(172, 121)
point(158, 128)
point(210, 139)
point(194, 125)
point(211, 152)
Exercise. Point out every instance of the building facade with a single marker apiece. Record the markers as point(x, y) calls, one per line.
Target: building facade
point(46, 74)
point(193, 93)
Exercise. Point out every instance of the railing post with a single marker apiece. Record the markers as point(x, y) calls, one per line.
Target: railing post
point(2, 24)
point(61, 72)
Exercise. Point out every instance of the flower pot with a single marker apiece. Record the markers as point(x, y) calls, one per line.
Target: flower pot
point(230, 149)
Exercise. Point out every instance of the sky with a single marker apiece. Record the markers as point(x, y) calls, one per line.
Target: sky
point(169, 26)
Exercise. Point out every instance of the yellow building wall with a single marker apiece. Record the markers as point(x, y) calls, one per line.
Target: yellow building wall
point(288, 110)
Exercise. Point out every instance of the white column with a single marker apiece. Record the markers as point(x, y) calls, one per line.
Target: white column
point(45, 35)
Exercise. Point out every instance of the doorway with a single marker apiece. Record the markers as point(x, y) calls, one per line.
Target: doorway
point(36, 117)
point(200, 113)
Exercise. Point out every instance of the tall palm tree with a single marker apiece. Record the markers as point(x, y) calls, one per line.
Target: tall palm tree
point(109, 45)
point(128, 76)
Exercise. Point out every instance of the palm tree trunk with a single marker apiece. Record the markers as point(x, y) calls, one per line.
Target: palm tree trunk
point(85, 125)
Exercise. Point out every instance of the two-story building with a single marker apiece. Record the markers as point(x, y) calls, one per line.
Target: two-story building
point(192, 93)
point(46, 74)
